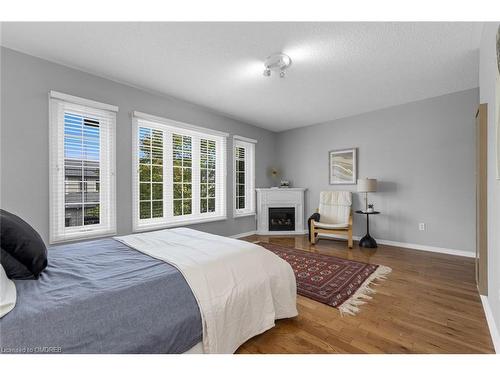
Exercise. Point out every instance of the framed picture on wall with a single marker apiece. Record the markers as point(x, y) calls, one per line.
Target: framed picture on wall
point(343, 170)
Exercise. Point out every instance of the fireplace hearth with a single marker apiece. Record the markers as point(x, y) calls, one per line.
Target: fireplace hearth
point(280, 211)
point(281, 218)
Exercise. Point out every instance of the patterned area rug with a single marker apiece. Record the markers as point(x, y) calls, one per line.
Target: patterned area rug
point(340, 283)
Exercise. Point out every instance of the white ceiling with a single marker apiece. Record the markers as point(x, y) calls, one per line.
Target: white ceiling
point(338, 69)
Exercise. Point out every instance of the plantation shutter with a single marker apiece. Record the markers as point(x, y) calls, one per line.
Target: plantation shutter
point(82, 168)
point(194, 173)
point(243, 176)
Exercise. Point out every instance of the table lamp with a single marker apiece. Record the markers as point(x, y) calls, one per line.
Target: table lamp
point(367, 185)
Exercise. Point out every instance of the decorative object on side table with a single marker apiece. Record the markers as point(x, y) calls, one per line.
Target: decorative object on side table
point(343, 167)
point(370, 208)
point(367, 240)
point(367, 185)
point(274, 173)
point(284, 184)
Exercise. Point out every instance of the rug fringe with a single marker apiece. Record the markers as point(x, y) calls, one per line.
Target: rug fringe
point(360, 297)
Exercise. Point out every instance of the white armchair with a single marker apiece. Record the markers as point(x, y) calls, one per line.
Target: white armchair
point(334, 216)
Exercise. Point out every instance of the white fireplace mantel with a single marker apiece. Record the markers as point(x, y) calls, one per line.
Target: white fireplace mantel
point(279, 197)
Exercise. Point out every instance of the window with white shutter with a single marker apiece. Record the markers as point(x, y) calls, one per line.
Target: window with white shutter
point(208, 173)
point(150, 173)
point(179, 175)
point(244, 176)
point(82, 168)
point(182, 161)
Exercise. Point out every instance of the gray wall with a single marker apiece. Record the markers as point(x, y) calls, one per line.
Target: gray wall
point(422, 153)
point(489, 81)
point(25, 84)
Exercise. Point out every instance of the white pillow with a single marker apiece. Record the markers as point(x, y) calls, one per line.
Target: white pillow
point(7, 293)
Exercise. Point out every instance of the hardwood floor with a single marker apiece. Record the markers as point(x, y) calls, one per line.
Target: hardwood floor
point(428, 304)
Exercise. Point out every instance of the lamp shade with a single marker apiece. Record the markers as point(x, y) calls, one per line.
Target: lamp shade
point(366, 185)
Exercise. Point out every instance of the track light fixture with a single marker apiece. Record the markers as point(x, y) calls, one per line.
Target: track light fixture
point(277, 62)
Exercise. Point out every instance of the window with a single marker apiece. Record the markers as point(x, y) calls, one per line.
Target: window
point(183, 174)
point(239, 157)
point(150, 173)
point(179, 173)
point(207, 175)
point(244, 176)
point(82, 164)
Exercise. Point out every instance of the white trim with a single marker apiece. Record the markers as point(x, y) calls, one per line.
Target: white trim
point(245, 234)
point(237, 215)
point(82, 101)
point(282, 233)
point(433, 249)
point(82, 235)
point(495, 335)
point(135, 175)
point(183, 223)
point(249, 177)
point(169, 222)
point(107, 227)
point(245, 139)
point(177, 124)
point(281, 189)
point(278, 198)
point(412, 246)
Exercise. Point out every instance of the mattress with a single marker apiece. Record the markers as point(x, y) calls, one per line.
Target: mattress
point(102, 297)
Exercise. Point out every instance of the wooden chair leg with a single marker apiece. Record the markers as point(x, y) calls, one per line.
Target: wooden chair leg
point(312, 239)
point(349, 238)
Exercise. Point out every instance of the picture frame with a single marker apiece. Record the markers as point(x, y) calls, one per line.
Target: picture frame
point(343, 166)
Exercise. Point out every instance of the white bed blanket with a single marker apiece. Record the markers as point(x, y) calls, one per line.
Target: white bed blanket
point(241, 288)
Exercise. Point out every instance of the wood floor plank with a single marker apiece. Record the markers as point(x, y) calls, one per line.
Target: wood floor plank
point(428, 304)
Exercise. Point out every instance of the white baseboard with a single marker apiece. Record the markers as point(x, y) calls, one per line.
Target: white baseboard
point(433, 249)
point(413, 246)
point(283, 233)
point(246, 234)
point(495, 335)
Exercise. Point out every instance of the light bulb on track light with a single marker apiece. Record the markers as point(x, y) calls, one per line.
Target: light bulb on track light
point(277, 63)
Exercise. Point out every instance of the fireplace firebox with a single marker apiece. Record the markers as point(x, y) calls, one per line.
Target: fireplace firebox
point(281, 218)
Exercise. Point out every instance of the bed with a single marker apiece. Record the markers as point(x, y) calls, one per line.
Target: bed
point(169, 291)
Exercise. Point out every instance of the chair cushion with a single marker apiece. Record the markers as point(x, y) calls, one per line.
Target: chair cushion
point(331, 226)
point(335, 207)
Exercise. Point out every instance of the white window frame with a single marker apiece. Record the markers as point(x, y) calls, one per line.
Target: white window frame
point(249, 145)
point(169, 127)
point(58, 103)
